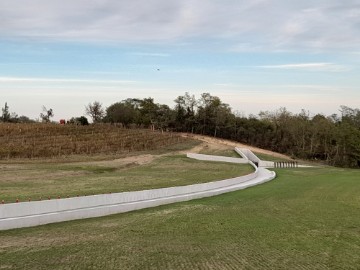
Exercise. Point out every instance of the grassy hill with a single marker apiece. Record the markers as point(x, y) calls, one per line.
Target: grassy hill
point(40, 163)
point(304, 219)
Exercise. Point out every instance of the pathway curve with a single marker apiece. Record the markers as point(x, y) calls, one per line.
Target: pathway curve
point(27, 214)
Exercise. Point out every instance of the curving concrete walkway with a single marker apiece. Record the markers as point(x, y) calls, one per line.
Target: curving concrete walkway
point(27, 214)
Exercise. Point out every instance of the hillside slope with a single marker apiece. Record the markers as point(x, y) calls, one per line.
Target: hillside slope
point(217, 143)
point(54, 140)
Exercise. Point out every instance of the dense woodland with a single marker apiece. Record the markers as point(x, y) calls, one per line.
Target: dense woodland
point(333, 139)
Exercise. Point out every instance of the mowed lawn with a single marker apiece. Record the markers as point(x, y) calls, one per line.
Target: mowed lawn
point(304, 219)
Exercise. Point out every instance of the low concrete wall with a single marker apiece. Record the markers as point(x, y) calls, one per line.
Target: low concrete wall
point(246, 153)
point(267, 164)
point(26, 214)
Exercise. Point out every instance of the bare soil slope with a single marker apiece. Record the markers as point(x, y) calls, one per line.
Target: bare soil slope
point(221, 144)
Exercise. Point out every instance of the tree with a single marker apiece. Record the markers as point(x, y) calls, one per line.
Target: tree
point(163, 117)
point(82, 120)
point(148, 112)
point(25, 119)
point(121, 112)
point(180, 113)
point(204, 111)
point(213, 115)
point(5, 117)
point(185, 112)
point(95, 111)
point(350, 115)
point(46, 114)
point(222, 118)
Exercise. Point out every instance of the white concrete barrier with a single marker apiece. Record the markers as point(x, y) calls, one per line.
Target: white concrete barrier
point(248, 154)
point(27, 214)
point(266, 164)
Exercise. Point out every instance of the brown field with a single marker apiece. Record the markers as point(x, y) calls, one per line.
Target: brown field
point(54, 140)
point(49, 161)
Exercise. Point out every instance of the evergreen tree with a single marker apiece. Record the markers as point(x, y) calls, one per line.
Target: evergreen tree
point(5, 117)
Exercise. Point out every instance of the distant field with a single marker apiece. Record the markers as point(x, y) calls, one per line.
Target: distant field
point(54, 140)
point(304, 219)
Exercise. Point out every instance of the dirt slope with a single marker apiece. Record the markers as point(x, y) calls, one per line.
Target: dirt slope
point(218, 143)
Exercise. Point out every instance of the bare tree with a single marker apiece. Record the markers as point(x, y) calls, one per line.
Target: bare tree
point(46, 114)
point(95, 111)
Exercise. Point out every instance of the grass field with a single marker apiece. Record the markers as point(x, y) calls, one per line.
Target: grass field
point(304, 219)
point(35, 180)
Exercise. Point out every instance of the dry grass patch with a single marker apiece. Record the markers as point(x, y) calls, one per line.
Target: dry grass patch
point(221, 142)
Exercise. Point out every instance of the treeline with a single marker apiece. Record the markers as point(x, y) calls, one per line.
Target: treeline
point(333, 139)
point(12, 117)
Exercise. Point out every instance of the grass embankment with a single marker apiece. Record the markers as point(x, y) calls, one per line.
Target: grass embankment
point(227, 152)
point(304, 219)
point(268, 157)
point(35, 180)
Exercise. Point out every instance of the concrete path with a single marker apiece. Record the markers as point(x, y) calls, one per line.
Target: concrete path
point(27, 214)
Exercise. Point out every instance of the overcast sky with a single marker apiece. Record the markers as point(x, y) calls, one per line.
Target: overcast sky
point(255, 55)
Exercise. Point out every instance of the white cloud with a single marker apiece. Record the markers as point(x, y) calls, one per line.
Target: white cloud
point(262, 24)
point(56, 80)
point(309, 67)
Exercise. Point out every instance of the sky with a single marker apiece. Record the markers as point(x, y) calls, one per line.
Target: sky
point(256, 55)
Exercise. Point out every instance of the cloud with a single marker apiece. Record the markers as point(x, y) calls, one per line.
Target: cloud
point(261, 24)
point(56, 80)
point(309, 67)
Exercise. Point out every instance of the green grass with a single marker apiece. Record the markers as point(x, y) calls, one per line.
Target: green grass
point(304, 219)
point(23, 181)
